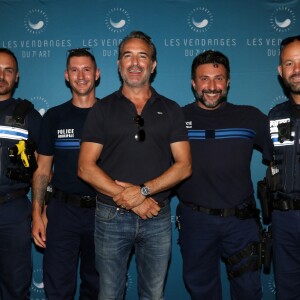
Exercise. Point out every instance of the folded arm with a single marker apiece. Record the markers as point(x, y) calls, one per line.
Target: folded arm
point(89, 171)
point(131, 197)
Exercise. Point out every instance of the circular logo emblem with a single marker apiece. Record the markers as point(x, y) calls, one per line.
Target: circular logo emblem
point(278, 100)
point(40, 104)
point(271, 284)
point(200, 19)
point(37, 285)
point(282, 19)
point(117, 20)
point(129, 282)
point(36, 21)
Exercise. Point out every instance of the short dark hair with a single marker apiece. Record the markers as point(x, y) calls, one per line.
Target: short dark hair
point(287, 41)
point(9, 52)
point(78, 52)
point(139, 35)
point(210, 57)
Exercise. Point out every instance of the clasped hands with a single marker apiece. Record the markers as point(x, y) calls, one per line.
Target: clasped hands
point(130, 198)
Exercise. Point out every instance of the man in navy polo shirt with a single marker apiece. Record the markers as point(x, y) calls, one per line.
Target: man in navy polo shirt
point(134, 150)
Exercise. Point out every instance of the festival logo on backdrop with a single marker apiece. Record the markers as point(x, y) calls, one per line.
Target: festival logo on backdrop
point(37, 285)
point(117, 20)
point(36, 21)
point(40, 104)
point(271, 284)
point(278, 100)
point(200, 19)
point(129, 282)
point(282, 19)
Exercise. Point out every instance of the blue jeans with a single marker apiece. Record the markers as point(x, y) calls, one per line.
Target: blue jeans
point(286, 250)
point(117, 232)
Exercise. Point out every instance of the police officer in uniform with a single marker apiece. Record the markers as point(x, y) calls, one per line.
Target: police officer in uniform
point(67, 233)
point(217, 213)
point(285, 173)
point(19, 124)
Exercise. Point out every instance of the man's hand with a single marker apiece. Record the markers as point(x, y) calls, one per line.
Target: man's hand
point(130, 197)
point(148, 209)
point(38, 230)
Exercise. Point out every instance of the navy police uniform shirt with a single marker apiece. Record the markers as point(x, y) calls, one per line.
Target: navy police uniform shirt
point(60, 137)
point(222, 143)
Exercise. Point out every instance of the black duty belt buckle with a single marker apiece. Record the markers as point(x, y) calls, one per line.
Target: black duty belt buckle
point(221, 212)
point(88, 201)
point(243, 213)
point(218, 212)
point(227, 212)
point(286, 205)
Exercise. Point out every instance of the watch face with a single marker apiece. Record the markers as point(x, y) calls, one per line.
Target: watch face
point(145, 191)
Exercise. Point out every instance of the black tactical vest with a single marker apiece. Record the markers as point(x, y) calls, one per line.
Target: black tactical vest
point(13, 128)
point(285, 134)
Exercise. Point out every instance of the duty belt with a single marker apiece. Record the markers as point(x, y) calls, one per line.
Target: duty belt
point(79, 201)
point(286, 204)
point(13, 195)
point(249, 211)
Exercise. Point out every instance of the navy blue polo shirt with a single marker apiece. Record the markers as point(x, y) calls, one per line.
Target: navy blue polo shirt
point(110, 123)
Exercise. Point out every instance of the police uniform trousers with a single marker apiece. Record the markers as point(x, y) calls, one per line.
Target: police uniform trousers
point(15, 249)
point(286, 253)
point(204, 240)
point(69, 243)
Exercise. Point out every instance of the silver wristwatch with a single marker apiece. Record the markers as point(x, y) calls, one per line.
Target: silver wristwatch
point(145, 191)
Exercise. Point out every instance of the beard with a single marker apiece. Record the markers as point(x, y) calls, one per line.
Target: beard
point(5, 88)
point(293, 88)
point(201, 98)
